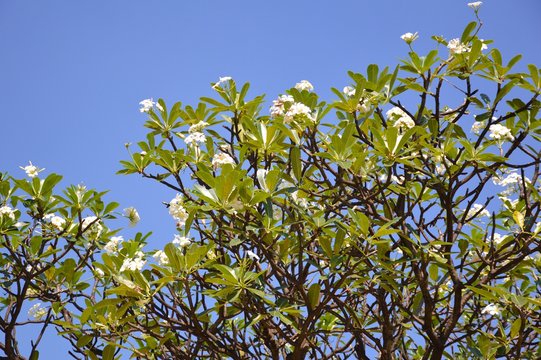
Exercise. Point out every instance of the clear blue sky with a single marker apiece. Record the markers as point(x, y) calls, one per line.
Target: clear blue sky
point(73, 72)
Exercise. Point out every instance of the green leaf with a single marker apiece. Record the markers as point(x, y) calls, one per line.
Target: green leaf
point(474, 52)
point(433, 270)
point(504, 91)
point(295, 158)
point(109, 352)
point(35, 244)
point(325, 243)
point(519, 219)
point(314, 294)
point(467, 31)
point(515, 328)
point(50, 182)
point(228, 273)
point(84, 340)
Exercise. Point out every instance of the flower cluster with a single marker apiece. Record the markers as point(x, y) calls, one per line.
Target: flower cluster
point(55, 220)
point(112, 245)
point(161, 257)
point(99, 273)
point(394, 179)
point(440, 168)
point(6, 210)
point(177, 210)
point(31, 170)
point(498, 238)
point(478, 126)
point(304, 85)
point(478, 210)
point(37, 312)
point(349, 91)
point(221, 159)
point(132, 215)
point(92, 227)
point(475, 5)
point(278, 105)
point(146, 105)
point(221, 81)
point(401, 118)
point(181, 241)
point(409, 37)
point(198, 127)
point(252, 255)
point(298, 112)
point(500, 132)
point(510, 181)
point(457, 47)
point(149, 104)
point(491, 309)
point(134, 264)
point(195, 138)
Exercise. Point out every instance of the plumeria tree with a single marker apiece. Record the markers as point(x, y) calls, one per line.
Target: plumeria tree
point(400, 221)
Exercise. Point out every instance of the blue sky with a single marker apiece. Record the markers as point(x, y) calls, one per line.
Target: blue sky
point(72, 73)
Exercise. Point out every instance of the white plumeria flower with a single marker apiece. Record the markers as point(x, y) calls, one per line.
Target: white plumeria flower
point(37, 312)
point(132, 215)
point(409, 37)
point(278, 105)
point(513, 178)
point(146, 105)
point(475, 5)
point(404, 122)
point(177, 210)
point(221, 80)
point(195, 138)
point(478, 126)
point(92, 226)
point(491, 309)
point(440, 169)
point(112, 245)
point(99, 273)
point(498, 238)
point(198, 127)
point(134, 264)
point(159, 107)
point(8, 211)
point(161, 257)
point(395, 113)
point(401, 118)
point(500, 132)
point(349, 90)
point(298, 111)
point(252, 255)
point(221, 159)
point(57, 221)
point(456, 47)
point(182, 241)
point(394, 179)
point(304, 85)
point(31, 170)
point(479, 210)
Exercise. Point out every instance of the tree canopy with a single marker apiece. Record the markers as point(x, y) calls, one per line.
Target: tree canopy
point(399, 221)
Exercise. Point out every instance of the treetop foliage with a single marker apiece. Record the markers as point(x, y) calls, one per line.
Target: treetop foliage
point(401, 220)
